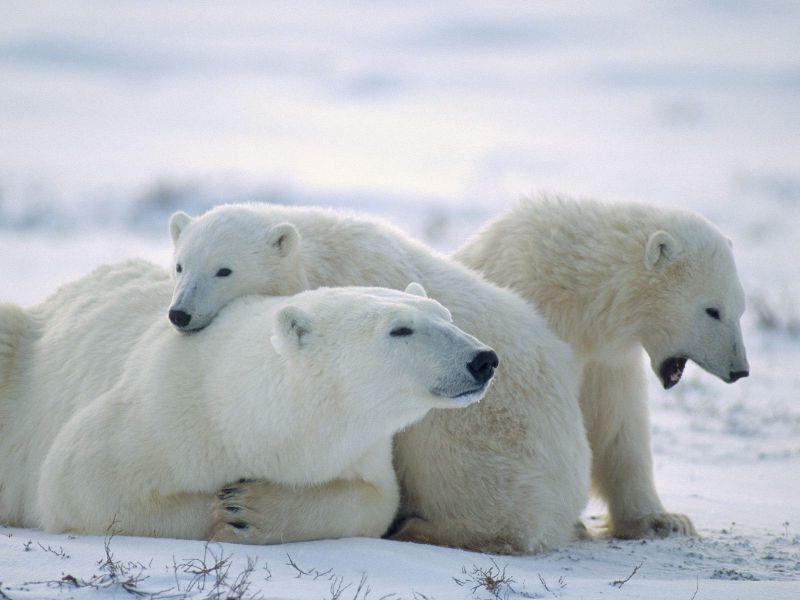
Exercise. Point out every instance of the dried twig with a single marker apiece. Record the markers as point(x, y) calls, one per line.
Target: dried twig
point(696, 588)
point(3, 595)
point(492, 579)
point(338, 587)
point(60, 553)
point(313, 573)
point(620, 582)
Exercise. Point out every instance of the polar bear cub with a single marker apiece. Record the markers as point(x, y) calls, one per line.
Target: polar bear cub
point(614, 280)
point(217, 262)
point(300, 390)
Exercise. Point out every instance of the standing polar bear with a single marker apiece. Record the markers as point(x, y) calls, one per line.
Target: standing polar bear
point(108, 415)
point(611, 279)
point(510, 474)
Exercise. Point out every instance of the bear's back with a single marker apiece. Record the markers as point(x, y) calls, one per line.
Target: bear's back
point(348, 249)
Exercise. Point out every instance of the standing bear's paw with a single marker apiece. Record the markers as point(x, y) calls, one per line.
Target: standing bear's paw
point(658, 525)
point(581, 531)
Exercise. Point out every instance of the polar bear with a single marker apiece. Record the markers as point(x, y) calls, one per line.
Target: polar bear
point(207, 280)
point(113, 417)
point(510, 474)
point(613, 279)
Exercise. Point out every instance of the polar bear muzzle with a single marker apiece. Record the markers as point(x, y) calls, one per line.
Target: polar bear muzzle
point(179, 318)
point(469, 387)
point(482, 366)
point(737, 375)
point(671, 370)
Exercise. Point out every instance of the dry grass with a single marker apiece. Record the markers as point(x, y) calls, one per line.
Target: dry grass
point(492, 579)
point(618, 583)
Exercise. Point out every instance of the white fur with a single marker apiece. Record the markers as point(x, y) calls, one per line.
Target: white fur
point(202, 288)
point(510, 474)
point(112, 416)
point(613, 278)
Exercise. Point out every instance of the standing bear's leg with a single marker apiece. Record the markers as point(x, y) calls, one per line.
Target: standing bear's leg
point(614, 403)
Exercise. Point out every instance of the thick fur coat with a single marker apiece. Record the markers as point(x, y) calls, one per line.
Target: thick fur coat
point(613, 279)
point(111, 416)
point(510, 474)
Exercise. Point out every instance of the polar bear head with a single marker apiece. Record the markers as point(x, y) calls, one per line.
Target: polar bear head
point(400, 350)
point(225, 254)
point(694, 301)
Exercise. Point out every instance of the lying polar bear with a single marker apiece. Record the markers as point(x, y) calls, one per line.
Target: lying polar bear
point(109, 415)
point(508, 475)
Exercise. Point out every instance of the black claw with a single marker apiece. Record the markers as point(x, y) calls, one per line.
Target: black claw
point(225, 493)
point(244, 480)
point(239, 525)
point(233, 508)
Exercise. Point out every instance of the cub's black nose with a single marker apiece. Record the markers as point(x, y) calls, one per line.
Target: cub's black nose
point(482, 365)
point(179, 318)
point(737, 375)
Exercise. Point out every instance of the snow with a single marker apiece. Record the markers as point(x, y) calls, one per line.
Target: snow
point(436, 116)
point(747, 550)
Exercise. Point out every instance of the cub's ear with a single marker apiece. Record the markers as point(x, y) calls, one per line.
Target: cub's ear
point(177, 223)
point(661, 249)
point(415, 289)
point(284, 238)
point(292, 328)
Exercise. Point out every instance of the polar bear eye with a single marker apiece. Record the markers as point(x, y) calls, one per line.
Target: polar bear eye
point(179, 268)
point(224, 272)
point(713, 313)
point(401, 331)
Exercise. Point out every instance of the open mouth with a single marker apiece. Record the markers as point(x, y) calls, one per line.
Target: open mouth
point(671, 370)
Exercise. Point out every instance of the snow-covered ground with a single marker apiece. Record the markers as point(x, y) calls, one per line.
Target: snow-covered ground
point(436, 116)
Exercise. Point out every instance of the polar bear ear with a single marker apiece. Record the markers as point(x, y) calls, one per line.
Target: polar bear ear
point(415, 289)
point(177, 223)
point(661, 249)
point(284, 238)
point(292, 328)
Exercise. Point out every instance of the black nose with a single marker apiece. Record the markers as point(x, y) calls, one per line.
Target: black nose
point(179, 318)
point(737, 375)
point(482, 366)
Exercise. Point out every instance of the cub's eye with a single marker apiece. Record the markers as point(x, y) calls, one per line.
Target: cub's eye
point(401, 331)
point(179, 268)
point(224, 272)
point(713, 313)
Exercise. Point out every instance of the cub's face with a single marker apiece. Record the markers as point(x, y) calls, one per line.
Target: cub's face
point(696, 313)
point(396, 353)
point(218, 258)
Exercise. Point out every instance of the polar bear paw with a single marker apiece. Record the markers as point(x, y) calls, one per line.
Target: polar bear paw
point(658, 525)
point(581, 532)
point(233, 518)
